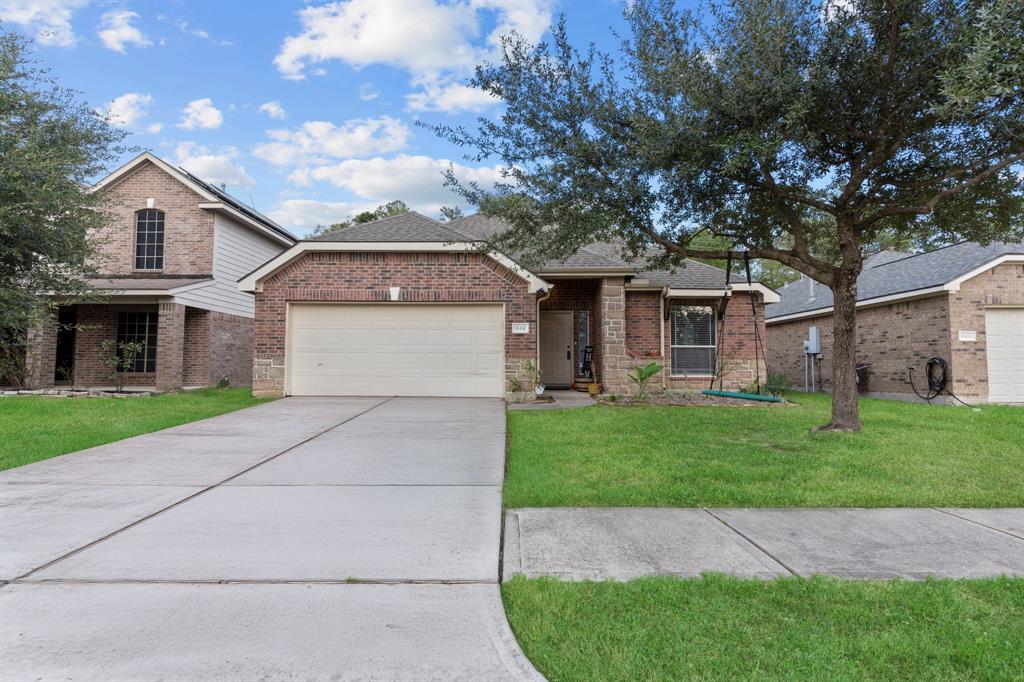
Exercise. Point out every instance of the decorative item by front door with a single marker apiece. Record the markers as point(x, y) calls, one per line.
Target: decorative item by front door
point(556, 364)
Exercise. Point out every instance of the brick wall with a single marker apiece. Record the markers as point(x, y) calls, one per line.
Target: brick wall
point(188, 230)
point(643, 324)
point(196, 362)
point(1003, 285)
point(366, 276)
point(890, 339)
point(230, 344)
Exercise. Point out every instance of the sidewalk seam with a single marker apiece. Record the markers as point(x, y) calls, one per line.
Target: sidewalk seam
point(751, 541)
point(977, 523)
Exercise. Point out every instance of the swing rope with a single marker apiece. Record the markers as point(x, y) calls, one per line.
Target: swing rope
point(759, 349)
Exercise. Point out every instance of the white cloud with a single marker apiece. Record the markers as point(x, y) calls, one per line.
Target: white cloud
point(49, 19)
point(128, 109)
point(273, 109)
point(415, 179)
point(191, 30)
point(116, 31)
point(201, 113)
point(449, 98)
point(368, 93)
point(302, 215)
point(419, 35)
point(154, 128)
point(425, 37)
point(218, 168)
point(319, 141)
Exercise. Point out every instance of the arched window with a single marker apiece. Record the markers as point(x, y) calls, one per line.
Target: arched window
point(149, 239)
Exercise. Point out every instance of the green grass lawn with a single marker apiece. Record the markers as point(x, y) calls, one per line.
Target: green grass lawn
point(34, 428)
point(911, 455)
point(719, 628)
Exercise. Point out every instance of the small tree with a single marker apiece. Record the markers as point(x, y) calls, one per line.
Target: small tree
point(119, 358)
point(641, 376)
point(799, 131)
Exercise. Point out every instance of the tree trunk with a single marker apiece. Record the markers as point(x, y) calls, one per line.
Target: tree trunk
point(845, 414)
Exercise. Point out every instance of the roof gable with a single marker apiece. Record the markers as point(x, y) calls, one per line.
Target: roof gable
point(211, 197)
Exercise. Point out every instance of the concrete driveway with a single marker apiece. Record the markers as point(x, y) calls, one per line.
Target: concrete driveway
point(308, 538)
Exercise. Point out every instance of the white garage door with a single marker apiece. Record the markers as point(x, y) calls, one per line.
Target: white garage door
point(397, 349)
point(1004, 333)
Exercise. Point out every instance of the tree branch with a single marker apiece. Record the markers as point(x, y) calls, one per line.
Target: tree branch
point(926, 206)
point(819, 270)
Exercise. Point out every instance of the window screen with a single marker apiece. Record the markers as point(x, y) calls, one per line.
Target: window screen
point(693, 340)
point(140, 328)
point(149, 239)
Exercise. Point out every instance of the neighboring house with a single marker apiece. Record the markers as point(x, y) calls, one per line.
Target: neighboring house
point(171, 257)
point(963, 303)
point(410, 306)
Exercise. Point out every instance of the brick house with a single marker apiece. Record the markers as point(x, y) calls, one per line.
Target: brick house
point(962, 303)
point(171, 256)
point(410, 306)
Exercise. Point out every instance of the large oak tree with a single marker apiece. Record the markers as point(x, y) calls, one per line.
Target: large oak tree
point(797, 131)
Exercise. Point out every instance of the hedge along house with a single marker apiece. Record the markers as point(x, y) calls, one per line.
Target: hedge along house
point(410, 306)
point(963, 303)
point(169, 260)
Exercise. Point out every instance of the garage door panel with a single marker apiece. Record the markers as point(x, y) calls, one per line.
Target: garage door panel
point(1004, 334)
point(375, 349)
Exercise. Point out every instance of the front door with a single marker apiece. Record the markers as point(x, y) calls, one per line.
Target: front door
point(556, 347)
point(64, 367)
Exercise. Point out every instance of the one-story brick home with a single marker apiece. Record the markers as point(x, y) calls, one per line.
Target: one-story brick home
point(410, 306)
point(962, 303)
point(169, 260)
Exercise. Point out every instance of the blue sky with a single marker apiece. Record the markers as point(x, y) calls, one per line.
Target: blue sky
point(306, 111)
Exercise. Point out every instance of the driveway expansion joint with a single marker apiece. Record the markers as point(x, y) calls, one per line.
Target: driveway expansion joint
point(194, 495)
point(977, 523)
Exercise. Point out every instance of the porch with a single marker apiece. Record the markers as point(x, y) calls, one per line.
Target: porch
point(626, 322)
point(175, 340)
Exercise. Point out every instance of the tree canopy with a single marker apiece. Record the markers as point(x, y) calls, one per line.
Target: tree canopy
point(800, 131)
point(383, 211)
point(51, 145)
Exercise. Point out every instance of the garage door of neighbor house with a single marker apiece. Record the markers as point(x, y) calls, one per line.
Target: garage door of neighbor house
point(1004, 333)
point(397, 349)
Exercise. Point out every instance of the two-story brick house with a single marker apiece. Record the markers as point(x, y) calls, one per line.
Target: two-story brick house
point(170, 258)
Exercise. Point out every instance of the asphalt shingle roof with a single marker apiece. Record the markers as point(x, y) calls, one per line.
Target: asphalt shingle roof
point(691, 275)
point(404, 227)
point(892, 273)
point(413, 227)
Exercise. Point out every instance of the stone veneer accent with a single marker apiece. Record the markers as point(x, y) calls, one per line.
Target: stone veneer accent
point(350, 276)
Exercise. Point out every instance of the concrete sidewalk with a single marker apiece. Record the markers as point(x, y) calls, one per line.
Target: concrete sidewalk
point(625, 543)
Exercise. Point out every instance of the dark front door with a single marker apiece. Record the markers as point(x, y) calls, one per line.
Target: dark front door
point(64, 368)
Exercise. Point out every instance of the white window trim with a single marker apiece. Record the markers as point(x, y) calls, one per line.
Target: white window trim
point(671, 346)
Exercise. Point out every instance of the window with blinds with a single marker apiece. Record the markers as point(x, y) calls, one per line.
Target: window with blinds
point(693, 340)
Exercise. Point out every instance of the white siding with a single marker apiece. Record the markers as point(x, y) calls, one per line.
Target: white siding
point(237, 251)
